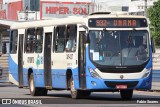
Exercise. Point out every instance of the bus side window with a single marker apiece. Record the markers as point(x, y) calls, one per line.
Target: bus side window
point(13, 42)
point(60, 38)
point(30, 41)
point(71, 38)
point(39, 40)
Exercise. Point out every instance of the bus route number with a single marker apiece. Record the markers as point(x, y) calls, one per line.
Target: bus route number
point(30, 59)
point(101, 23)
point(69, 56)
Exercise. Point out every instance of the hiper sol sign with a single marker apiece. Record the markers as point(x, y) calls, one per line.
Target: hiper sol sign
point(61, 10)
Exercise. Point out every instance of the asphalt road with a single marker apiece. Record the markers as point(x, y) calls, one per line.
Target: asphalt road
point(63, 99)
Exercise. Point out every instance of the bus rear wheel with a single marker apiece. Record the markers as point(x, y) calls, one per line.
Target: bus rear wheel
point(34, 91)
point(126, 94)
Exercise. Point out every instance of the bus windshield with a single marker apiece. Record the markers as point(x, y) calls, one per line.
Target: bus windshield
point(119, 47)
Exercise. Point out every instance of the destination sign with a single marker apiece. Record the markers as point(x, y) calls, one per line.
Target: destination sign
point(117, 22)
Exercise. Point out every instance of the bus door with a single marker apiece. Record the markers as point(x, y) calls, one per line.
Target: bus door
point(82, 61)
point(47, 60)
point(20, 60)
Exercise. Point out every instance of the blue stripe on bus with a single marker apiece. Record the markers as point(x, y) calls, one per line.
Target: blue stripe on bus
point(58, 76)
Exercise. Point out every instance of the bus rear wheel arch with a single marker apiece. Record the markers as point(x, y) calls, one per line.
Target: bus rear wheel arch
point(36, 91)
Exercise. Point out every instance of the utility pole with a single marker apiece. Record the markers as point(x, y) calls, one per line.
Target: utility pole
point(26, 13)
point(145, 8)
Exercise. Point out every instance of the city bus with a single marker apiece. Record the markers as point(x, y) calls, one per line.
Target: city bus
point(95, 53)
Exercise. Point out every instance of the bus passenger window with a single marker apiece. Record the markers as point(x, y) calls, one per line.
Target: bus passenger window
point(39, 40)
point(60, 38)
point(30, 41)
point(71, 38)
point(13, 42)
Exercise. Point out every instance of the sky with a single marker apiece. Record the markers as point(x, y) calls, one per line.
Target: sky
point(109, 2)
point(115, 2)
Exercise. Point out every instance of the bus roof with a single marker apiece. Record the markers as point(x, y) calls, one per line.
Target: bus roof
point(69, 20)
point(45, 23)
point(114, 16)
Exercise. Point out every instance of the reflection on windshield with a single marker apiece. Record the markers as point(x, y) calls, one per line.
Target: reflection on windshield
point(119, 48)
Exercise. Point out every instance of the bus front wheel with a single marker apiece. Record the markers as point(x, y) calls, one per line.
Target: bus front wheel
point(126, 94)
point(34, 91)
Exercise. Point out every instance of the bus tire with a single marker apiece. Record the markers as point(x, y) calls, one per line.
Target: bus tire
point(86, 93)
point(32, 88)
point(126, 94)
point(34, 91)
point(75, 94)
point(42, 91)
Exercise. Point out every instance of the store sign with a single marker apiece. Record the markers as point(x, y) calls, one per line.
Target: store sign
point(64, 10)
point(29, 15)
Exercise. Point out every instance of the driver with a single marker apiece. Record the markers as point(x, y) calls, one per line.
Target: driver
point(141, 53)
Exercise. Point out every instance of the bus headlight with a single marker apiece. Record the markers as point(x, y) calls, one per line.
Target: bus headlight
point(147, 72)
point(93, 73)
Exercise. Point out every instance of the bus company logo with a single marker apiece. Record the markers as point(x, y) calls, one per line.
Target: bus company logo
point(121, 76)
point(6, 101)
point(38, 60)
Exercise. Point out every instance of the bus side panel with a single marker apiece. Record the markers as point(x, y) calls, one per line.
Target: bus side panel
point(25, 77)
point(58, 72)
point(39, 77)
point(59, 78)
point(75, 78)
point(33, 61)
point(13, 69)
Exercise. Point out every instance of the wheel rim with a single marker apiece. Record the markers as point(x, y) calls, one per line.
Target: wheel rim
point(32, 85)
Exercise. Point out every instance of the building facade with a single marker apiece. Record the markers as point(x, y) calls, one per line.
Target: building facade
point(23, 10)
point(43, 9)
point(139, 6)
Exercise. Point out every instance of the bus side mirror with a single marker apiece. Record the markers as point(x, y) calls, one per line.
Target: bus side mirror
point(152, 45)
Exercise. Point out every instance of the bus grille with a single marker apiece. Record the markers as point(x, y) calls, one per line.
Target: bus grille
point(121, 70)
point(130, 84)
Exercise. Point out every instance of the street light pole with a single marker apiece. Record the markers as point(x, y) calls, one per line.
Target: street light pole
point(145, 8)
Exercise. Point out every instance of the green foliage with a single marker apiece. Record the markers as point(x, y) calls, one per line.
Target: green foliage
point(154, 17)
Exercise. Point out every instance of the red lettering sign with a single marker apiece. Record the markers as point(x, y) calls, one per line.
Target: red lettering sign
point(79, 11)
point(101, 23)
point(125, 23)
point(65, 10)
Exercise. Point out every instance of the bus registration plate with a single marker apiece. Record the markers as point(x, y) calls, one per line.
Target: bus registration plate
point(121, 86)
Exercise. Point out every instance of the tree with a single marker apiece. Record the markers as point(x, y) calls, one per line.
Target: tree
point(154, 17)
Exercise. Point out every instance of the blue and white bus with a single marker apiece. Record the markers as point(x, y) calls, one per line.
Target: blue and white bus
point(99, 52)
